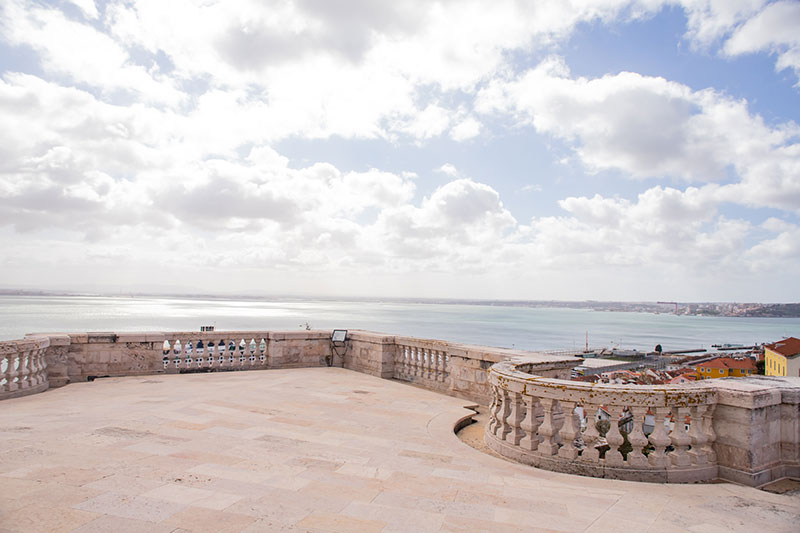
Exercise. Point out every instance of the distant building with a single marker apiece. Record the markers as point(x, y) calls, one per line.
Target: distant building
point(724, 367)
point(782, 358)
point(683, 378)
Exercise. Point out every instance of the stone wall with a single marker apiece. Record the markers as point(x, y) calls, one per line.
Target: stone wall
point(456, 369)
point(464, 371)
point(757, 426)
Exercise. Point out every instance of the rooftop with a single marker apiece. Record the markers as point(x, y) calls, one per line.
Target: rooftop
point(787, 347)
point(730, 362)
point(310, 449)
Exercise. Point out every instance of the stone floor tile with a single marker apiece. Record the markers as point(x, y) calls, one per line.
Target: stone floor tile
point(471, 525)
point(398, 519)
point(136, 507)
point(200, 520)
point(341, 524)
point(116, 524)
point(122, 484)
point(41, 519)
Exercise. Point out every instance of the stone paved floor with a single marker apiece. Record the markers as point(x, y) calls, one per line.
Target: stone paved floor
point(309, 450)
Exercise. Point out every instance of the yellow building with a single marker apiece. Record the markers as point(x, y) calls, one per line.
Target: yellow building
point(726, 367)
point(782, 358)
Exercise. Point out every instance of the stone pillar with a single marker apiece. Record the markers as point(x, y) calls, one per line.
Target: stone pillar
point(750, 423)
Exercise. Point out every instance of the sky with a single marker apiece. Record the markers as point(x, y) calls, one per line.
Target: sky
point(503, 149)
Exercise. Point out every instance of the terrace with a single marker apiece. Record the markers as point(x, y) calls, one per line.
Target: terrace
point(175, 440)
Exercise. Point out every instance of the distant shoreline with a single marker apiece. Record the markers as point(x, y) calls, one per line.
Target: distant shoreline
point(715, 309)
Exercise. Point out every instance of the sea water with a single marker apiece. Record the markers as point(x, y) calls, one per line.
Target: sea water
point(523, 328)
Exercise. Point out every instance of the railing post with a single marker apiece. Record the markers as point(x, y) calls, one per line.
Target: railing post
point(659, 439)
point(637, 438)
point(501, 428)
point(590, 435)
point(614, 438)
point(494, 408)
point(680, 438)
point(549, 428)
point(698, 436)
point(530, 424)
point(569, 431)
point(515, 417)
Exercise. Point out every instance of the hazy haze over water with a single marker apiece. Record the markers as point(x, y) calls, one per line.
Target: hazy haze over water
point(491, 325)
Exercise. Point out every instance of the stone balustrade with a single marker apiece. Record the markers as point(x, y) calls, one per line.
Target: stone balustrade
point(422, 361)
point(666, 433)
point(23, 368)
point(742, 429)
point(205, 351)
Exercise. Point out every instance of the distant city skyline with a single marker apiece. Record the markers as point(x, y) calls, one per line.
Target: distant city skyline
point(609, 150)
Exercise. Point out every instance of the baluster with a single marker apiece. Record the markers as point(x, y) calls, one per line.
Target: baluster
point(30, 369)
point(429, 364)
point(515, 417)
point(590, 435)
point(42, 364)
point(680, 438)
point(698, 436)
point(33, 368)
point(569, 431)
point(5, 374)
point(13, 361)
point(637, 438)
point(165, 348)
point(550, 427)
point(614, 438)
point(176, 353)
point(659, 438)
point(503, 426)
point(37, 367)
point(262, 351)
point(530, 424)
point(252, 352)
point(446, 367)
point(492, 409)
point(22, 371)
point(708, 429)
point(435, 365)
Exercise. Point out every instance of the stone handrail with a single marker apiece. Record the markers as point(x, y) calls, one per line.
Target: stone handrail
point(662, 433)
point(23, 369)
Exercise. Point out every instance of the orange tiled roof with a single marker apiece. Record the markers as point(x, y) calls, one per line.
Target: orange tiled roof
point(787, 347)
point(729, 362)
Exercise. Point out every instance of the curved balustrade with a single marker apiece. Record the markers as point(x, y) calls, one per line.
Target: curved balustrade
point(421, 361)
point(187, 352)
point(23, 369)
point(654, 433)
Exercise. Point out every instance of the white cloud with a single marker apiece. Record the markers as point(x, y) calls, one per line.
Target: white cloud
point(449, 169)
point(466, 129)
point(651, 127)
point(774, 29)
point(83, 54)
